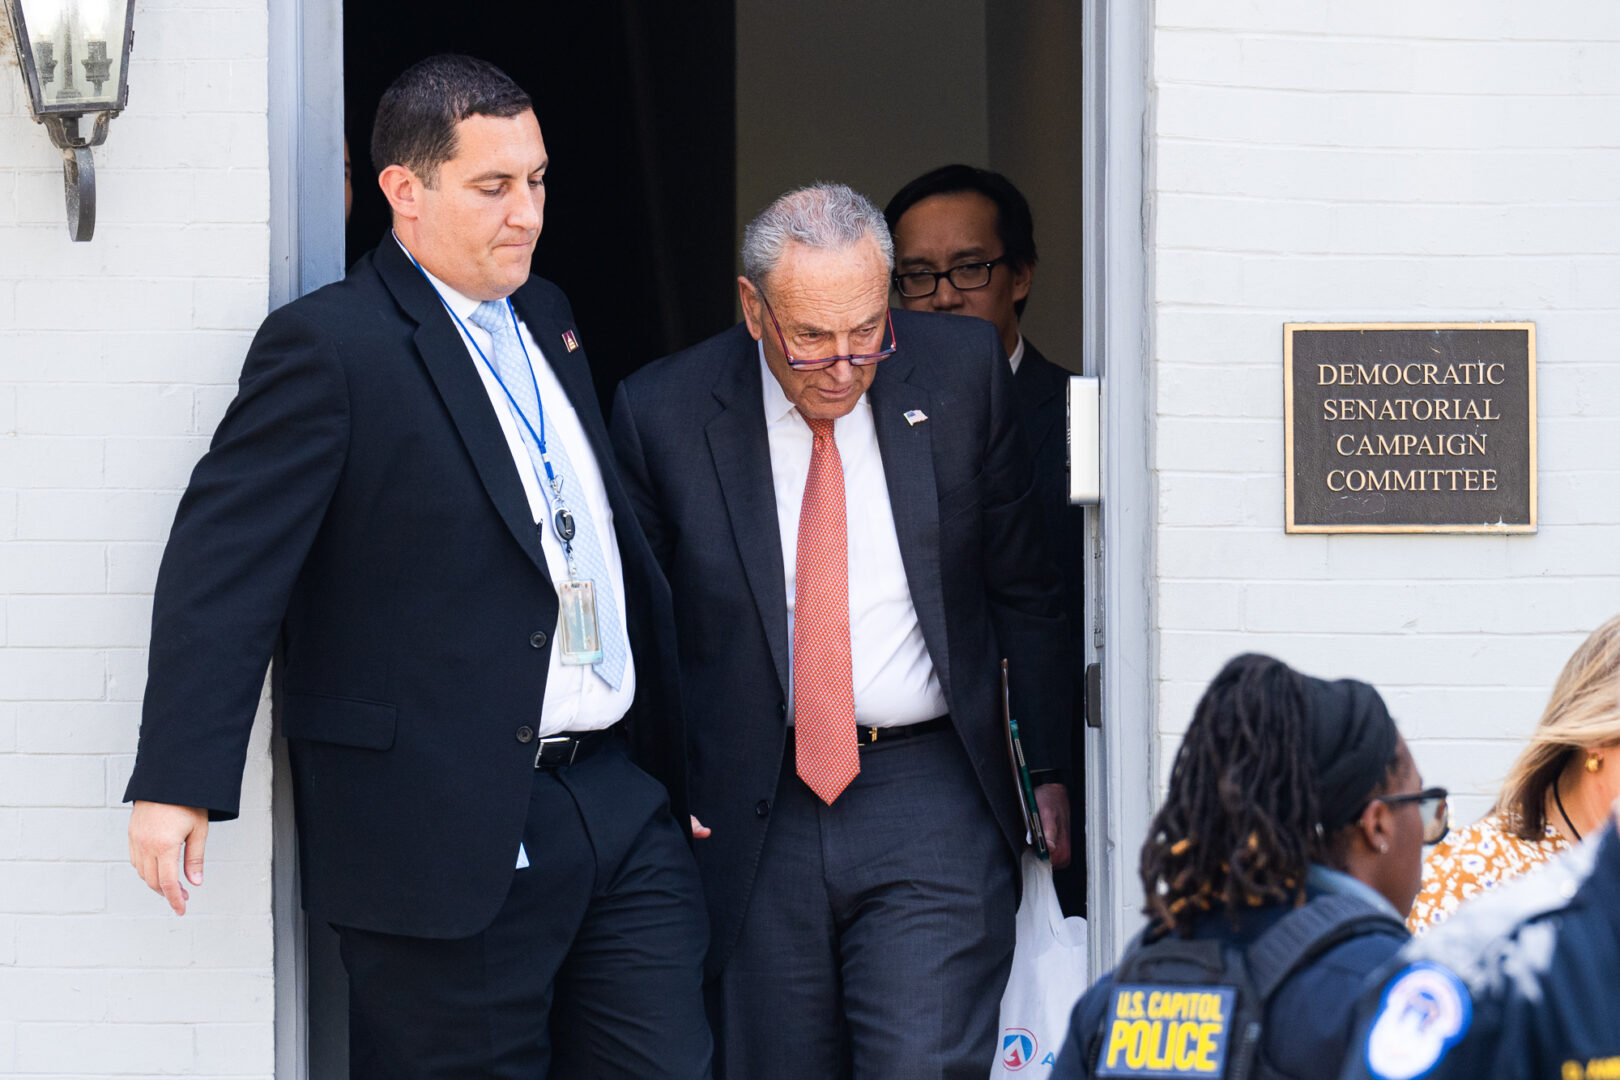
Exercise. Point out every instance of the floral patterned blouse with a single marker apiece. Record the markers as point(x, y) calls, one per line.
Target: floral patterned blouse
point(1472, 860)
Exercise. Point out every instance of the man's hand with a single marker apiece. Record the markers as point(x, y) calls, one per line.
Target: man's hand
point(699, 830)
point(157, 833)
point(1053, 802)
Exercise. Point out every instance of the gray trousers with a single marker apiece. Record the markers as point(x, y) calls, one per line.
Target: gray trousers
point(879, 934)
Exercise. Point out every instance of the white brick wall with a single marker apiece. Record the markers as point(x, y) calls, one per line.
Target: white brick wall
point(1379, 161)
point(117, 358)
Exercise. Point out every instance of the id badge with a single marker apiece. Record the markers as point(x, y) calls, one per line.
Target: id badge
point(576, 623)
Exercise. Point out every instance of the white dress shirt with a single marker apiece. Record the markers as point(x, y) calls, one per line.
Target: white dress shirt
point(576, 697)
point(1017, 354)
point(894, 676)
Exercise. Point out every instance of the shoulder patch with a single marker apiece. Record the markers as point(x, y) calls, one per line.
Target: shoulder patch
point(1424, 1011)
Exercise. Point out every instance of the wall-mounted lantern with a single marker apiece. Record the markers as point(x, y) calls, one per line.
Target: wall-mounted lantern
point(74, 56)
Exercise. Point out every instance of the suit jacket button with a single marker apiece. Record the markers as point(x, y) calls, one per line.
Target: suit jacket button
point(763, 808)
point(781, 709)
point(538, 639)
point(525, 734)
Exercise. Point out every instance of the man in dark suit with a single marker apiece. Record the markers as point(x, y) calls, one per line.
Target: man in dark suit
point(852, 548)
point(964, 243)
point(413, 494)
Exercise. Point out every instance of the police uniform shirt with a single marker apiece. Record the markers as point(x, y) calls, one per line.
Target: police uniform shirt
point(1522, 983)
point(1309, 1022)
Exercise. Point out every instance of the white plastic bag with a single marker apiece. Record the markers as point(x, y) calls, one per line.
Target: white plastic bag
point(1048, 977)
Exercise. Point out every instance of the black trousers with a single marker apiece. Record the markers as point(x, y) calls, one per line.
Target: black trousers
point(592, 968)
point(879, 934)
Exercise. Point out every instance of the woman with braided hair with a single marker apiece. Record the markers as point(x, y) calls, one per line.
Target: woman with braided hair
point(1276, 875)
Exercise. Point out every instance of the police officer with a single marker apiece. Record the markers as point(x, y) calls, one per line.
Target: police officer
point(1277, 875)
point(1519, 983)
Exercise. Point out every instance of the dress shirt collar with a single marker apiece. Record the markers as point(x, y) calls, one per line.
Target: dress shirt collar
point(1339, 883)
point(777, 405)
point(1017, 356)
point(462, 306)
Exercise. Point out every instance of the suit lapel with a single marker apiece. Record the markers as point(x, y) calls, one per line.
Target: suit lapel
point(742, 460)
point(1037, 382)
point(445, 356)
point(908, 469)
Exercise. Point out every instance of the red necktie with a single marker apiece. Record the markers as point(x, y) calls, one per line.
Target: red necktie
point(823, 688)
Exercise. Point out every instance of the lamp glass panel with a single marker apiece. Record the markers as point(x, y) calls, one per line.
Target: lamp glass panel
point(78, 50)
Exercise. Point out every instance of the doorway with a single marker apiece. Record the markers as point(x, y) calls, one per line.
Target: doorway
point(669, 126)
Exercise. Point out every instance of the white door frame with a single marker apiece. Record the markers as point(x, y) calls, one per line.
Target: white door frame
point(1120, 587)
point(306, 252)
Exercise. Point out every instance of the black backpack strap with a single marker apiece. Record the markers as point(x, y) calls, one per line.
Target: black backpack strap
point(1307, 932)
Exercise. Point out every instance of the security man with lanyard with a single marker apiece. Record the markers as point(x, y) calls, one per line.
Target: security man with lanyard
point(1277, 872)
point(1520, 983)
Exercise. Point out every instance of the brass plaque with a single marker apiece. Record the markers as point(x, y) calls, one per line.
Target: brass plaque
point(1410, 427)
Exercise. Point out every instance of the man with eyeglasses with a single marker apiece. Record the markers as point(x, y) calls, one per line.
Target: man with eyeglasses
point(841, 502)
point(964, 244)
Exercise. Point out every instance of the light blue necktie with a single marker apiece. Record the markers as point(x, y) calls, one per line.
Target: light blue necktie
point(511, 363)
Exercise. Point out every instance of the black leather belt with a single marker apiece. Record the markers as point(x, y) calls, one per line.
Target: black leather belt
point(870, 736)
point(556, 751)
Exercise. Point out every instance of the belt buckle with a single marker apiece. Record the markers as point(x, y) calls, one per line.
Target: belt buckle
point(540, 751)
point(872, 735)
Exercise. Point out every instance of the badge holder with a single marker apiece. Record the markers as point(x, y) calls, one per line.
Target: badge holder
point(576, 623)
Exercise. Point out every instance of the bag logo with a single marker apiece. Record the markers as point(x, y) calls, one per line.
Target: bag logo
point(1167, 1032)
point(1018, 1047)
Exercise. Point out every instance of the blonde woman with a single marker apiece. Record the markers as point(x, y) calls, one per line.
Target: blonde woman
point(1559, 790)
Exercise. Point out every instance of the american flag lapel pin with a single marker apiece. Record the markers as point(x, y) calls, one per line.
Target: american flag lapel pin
point(570, 340)
point(915, 417)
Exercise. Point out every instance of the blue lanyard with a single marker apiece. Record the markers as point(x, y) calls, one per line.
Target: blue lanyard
point(562, 521)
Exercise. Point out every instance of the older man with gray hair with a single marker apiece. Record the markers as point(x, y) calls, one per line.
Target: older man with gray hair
point(841, 501)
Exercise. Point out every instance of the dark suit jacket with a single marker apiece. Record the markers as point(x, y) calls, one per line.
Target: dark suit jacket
point(360, 503)
point(691, 438)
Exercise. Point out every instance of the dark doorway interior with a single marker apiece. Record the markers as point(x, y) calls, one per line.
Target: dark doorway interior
point(637, 104)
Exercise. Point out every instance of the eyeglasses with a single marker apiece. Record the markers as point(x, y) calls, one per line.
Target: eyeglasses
point(915, 284)
point(1431, 805)
point(819, 363)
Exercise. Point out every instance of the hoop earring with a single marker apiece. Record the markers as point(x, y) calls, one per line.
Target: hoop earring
point(1593, 763)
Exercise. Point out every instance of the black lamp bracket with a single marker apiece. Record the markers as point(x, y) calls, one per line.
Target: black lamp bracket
point(78, 168)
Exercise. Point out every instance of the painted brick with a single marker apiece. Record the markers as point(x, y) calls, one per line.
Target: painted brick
point(158, 464)
point(76, 727)
point(52, 568)
point(225, 303)
point(224, 1048)
point(97, 941)
point(210, 405)
point(225, 942)
point(126, 673)
point(81, 1049)
point(90, 409)
point(35, 462)
point(80, 620)
point(95, 303)
point(133, 568)
point(95, 515)
point(8, 727)
point(182, 996)
point(52, 780)
point(168, 357)
point(49, 888)
point(232, 195)
point(51, 675)
point(99, 834)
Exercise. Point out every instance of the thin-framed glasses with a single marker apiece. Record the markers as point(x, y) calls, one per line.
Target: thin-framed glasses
point(858, 359)
point(915, 284)
point(1431, 804)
